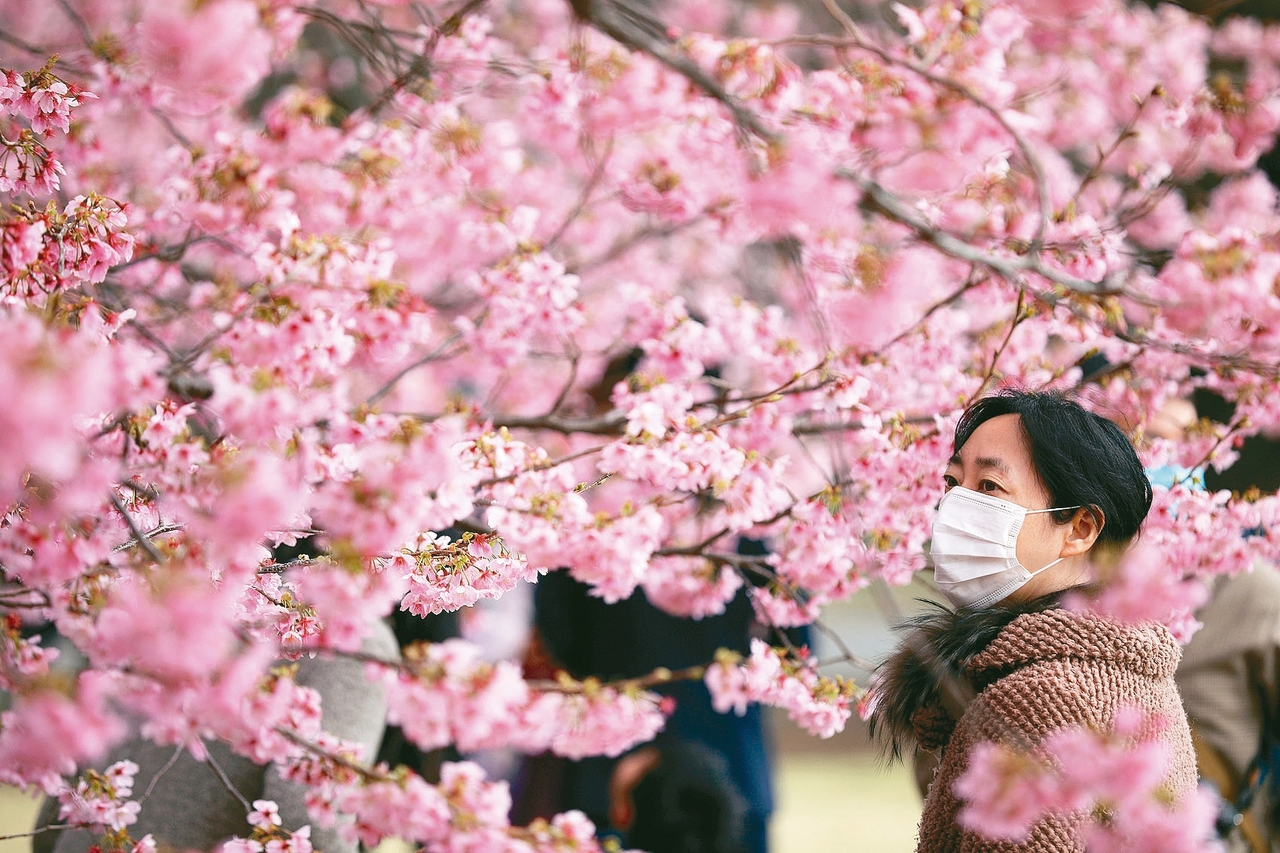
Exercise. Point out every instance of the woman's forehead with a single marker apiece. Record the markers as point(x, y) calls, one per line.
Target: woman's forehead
point(999, 444)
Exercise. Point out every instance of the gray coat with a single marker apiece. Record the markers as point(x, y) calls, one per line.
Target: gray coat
point(190, 808)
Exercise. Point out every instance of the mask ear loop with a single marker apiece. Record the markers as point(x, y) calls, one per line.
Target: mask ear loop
point(1085, 507)
point(1047, 566)
point(1057, 509)
point(1008, 589)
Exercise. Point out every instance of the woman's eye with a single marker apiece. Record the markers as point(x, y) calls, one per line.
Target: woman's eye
point(988, 485)
point(949, 481)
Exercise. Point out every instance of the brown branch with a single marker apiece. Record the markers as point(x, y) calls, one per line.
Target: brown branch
point(859, 40)
point(419, 66)
point(659, 676)
point(1019, 314)
point(635, 28)
point(435, 355)
point(610, 423)
point(141, 538)
point(1012, 268)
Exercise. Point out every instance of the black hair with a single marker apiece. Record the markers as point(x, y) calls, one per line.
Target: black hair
point(1082, 458)
point(689, 803)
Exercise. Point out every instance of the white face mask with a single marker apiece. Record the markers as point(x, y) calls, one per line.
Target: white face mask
point(975, 547)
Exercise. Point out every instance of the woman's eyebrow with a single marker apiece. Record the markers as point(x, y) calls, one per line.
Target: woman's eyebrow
point(984, 462)
point(993, 462)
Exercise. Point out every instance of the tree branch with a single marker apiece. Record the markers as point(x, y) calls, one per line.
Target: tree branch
point(640, 31)
point(140, 537)
point(434, 355)
point(1012, 268)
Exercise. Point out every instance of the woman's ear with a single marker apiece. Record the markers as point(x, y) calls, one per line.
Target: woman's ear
point(1086, 524)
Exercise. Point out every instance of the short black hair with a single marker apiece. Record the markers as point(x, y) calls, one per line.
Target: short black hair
point(1082, 458)
point(689, 803)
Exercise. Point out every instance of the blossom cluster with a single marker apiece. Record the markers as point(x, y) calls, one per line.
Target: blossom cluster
point(44, 101)
point(1204, 534)
point(820, 705)
point(1111, 782)
point(101, 802)
point(268, 836)
point(445, 693)
point(464, 811)
point(446, 575)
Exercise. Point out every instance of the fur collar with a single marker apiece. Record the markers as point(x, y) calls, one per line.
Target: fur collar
point(948, 657)
point(925, 685)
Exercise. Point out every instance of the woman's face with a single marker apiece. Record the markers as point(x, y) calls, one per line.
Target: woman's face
point(996, 461)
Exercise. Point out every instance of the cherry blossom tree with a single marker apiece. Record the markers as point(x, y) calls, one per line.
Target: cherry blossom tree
point(597, 288)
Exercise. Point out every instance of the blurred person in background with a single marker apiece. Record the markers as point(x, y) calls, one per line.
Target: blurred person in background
point(708, 775)
point(1230, 671)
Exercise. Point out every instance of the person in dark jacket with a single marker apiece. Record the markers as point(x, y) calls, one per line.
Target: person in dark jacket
point(588, 637)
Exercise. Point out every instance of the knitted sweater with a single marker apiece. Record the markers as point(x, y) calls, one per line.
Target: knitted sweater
point(1044, 670)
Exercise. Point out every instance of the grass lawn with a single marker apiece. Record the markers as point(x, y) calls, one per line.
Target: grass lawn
point(17, 814)
point(842, 801)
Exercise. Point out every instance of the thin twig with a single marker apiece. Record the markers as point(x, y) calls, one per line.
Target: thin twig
point(7, 596)
point(173, 759)
point(860, 41)
point(575, 359)
point(846, 653)
point(281, 568)
point(161, 530)
point(1126, 133)
point(970, 283)
point(153, 339)
point(77, 21)
point(434, 355)
point(38, 831)
point(546, 466)
point(653, 679)
point(141, 538)
point(610, 423)
point(419, 65)
point(597, 174)
point(226, 782)
point(168, 125)
point(364, 772)
point(629, 242)
point(1018, 316)
point(35, 50)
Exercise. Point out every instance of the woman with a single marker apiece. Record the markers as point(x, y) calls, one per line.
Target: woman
point(1037, 490)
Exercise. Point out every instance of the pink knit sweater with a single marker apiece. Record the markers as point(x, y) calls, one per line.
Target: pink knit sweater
point(1042, 672)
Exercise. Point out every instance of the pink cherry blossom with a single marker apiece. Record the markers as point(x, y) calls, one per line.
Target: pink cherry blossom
point(1110, 781)
point(821, 705)
point(493, 294)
